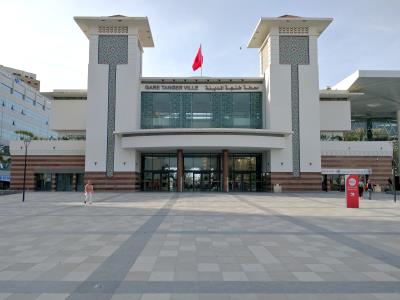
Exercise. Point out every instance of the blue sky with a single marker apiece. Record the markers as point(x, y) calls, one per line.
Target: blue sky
point(40, 36)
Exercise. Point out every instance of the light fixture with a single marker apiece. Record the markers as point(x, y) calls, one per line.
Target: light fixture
point(374, 104)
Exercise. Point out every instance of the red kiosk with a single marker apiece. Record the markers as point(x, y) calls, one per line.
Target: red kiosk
point(352, 196)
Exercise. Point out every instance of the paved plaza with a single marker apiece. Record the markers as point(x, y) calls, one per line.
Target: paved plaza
point(198, 246)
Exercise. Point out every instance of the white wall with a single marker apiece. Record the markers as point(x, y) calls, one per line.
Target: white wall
point(367, 148)
point(48, 147)
point(128, 89)
point(97, 103)
point(127, 108)
point(278, 107)
point(209, 141)
point(68, 115)
point(335, 115)
point(124, 159)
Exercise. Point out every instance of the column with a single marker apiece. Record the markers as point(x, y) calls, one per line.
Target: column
point(179, 171)
point(74, 187)
point(225, 169)
point(53, 182)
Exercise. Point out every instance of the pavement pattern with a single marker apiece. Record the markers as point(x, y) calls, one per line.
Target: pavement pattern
point(198, 246)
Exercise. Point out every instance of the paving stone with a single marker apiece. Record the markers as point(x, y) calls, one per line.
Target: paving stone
point(310, 245)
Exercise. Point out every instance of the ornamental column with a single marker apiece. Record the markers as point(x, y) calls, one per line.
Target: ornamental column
point(225, 169)
point(179, 171)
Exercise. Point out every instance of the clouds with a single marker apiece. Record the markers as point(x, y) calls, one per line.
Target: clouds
point(40, 36)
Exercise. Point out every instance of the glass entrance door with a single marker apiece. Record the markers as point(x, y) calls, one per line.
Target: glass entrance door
point(244, 182)
point(160, 181)
point(201, 181)
point(64, 182)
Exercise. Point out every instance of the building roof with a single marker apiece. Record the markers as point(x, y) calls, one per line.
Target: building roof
point(264, 26)
point(203, 79)
point(141, 23)
point(378, 92)
point(66, 94)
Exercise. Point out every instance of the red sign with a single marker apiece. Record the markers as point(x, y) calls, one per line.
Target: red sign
point(352, 197)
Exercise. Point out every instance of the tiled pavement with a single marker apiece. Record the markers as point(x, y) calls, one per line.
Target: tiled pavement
point(198, 246)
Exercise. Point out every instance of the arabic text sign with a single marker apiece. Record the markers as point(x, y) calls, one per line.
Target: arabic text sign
point(202, 87)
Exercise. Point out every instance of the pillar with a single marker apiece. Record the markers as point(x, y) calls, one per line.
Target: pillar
point(53, 182)
point(225, 169)
point(74, 187)
point(179, 171)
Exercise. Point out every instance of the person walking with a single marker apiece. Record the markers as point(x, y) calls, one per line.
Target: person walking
point(88, 192)
point(361, 188)
point(370, 188)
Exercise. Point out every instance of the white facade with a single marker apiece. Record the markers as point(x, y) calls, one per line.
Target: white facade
point(273, 122)
point(118, 110)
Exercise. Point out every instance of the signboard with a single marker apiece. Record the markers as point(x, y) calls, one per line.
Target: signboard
point(5, 178)
point(346, 171)
point(352, 197)
point(189, 87)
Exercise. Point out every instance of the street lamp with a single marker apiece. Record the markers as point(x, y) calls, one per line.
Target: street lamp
point(27, 141)
point(394, 179)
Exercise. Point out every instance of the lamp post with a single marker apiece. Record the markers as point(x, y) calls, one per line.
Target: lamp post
point(394, 179)
point(27, 141)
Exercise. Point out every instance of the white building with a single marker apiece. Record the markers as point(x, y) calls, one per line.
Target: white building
point(203, 134)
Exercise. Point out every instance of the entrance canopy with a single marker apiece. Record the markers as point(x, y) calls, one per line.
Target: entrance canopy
point(377, 93)
point(199, 139)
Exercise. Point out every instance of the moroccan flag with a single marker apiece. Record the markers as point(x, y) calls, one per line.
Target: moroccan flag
point(198, 60)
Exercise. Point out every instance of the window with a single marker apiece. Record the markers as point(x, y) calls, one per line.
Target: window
point(5, 87)
point(241, 110)
point(18, 94)
point(161, 111)
point(202, 113)
point(30, 100)
point(201, 110)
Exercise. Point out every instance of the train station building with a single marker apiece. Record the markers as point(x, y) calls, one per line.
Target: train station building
point(274, 132)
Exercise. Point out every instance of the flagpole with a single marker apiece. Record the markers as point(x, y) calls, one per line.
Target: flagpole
point(201, 68)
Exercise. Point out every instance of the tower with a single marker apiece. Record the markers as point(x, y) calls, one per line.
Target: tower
point(115, 65)
point(289, 65)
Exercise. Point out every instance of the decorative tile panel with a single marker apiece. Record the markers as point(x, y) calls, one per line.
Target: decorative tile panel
point(294, 51)
point(113, 51)
point(295, 120)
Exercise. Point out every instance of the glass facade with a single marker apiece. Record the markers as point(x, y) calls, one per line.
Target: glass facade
point(159, 172)
point(64, 182)
point(202, 172)
point(22, 108)
point(365, 129)
point(201, 110)
point(382, 129)
point(245, 173)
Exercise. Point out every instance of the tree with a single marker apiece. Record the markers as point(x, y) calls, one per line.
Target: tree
point(24, 134)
